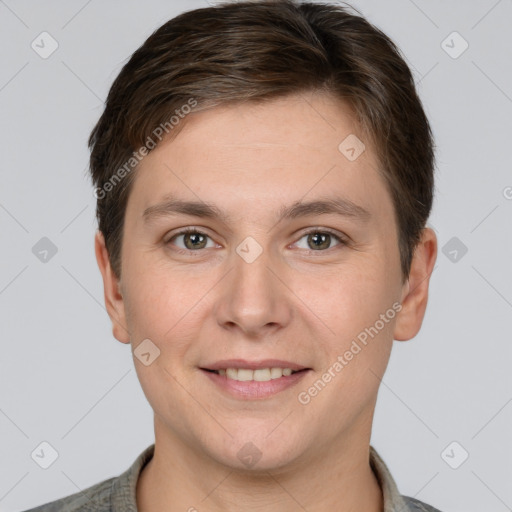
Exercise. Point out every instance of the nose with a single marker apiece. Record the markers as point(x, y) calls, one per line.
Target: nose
point(254, 297)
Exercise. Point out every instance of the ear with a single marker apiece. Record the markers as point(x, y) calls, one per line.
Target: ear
point(114, 301)
point(415, 290)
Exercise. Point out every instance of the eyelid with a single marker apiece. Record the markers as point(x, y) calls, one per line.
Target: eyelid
point(320, 229)
point(184, 231)
point(342, 238)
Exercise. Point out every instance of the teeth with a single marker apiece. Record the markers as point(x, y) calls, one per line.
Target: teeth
point(275, 373)
point(260, 375)
point(243, 374)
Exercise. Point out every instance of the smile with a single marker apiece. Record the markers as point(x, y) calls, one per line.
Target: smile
point(247, 384)
point(260, 375)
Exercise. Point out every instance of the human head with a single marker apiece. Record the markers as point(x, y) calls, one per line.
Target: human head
point(253, 157)
point(253, 52)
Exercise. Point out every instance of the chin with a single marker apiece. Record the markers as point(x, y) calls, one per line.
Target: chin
point(258, 452)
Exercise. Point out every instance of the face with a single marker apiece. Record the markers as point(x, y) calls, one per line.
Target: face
point(261, 281)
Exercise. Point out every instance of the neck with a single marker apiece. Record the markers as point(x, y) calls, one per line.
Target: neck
point(336, 477)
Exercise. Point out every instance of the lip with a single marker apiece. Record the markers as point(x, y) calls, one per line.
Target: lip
point(254, 390)
point(252, 365)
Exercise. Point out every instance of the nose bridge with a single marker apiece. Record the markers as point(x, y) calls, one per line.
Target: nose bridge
point(251, 286)
point(253, 298)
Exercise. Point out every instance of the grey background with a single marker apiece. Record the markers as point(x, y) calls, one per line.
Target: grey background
point(65, 380)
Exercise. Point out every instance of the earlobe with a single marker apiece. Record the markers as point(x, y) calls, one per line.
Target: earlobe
point(415, 290)
point(113, 297)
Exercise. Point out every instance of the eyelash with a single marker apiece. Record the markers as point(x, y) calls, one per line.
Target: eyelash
point(342, 240)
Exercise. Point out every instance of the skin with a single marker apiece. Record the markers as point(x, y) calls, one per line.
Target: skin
point(294, 302)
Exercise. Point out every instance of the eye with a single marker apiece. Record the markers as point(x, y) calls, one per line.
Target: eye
point(193, 240)
point(320, 240)
point(317, 240)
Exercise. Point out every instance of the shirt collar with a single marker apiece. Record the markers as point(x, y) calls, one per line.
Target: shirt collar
point(123, 498)
point(393, 501)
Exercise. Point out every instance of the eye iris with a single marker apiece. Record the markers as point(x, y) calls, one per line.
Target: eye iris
point(194, 237)
point(195, 240)
point(322, 238)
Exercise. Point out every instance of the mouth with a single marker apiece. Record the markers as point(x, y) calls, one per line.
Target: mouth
point(259, 375)
point(254, 380)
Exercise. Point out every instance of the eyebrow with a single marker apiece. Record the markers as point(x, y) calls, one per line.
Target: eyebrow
point(322, 206)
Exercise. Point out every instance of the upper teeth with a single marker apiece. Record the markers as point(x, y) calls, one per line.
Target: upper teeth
point(261, 375)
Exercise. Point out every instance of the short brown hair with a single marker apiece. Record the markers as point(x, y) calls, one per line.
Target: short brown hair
point(258, 50)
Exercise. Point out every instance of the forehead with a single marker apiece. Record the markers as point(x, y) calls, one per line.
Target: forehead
point(268, 153)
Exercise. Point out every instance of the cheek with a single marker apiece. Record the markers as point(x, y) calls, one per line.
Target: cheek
point(152, 304)
point(154, 292)
point(358, 308)
point(163, 305)
point(355, 296)
point(360, 312)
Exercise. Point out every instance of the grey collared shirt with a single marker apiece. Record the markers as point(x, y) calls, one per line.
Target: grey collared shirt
point(117, 494)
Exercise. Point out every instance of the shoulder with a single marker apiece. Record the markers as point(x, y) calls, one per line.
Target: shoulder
point(116, 493)
point(96, 498)
point(415, 505)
